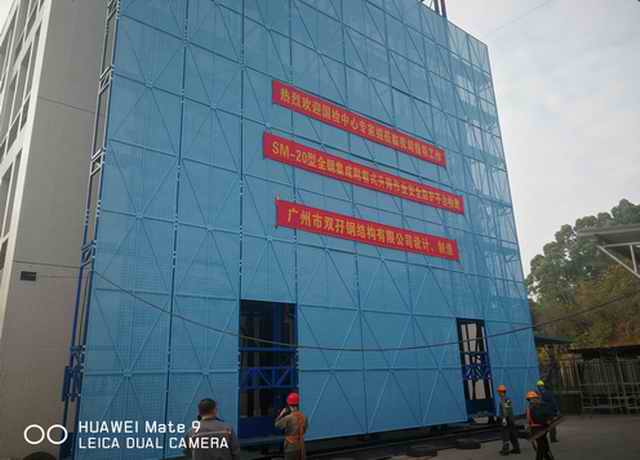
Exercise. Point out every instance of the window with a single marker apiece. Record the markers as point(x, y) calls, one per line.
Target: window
point(101, 119)
point(4, 195)
point(33, 11)
point(25, 113)
point(17, 46)
point(7, 42)
point(4, 53)
point(22, 78)
point(34, 55)
point(12, 195)
point(107, 54)
point(32, 4)
point(13, 133)
point(476, 369)
point(94, 190)
point(3, 254)
point(6, 108)
point(22, 16)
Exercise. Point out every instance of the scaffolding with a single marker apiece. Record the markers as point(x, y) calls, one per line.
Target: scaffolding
point(608, 379)
point(606, 384)
point(621, 243)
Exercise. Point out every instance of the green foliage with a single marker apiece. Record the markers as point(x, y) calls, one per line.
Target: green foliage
point(572, 274)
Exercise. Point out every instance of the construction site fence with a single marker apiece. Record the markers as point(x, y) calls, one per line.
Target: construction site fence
point(606, 384)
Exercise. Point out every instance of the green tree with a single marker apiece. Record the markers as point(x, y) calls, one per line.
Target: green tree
point(572, 274)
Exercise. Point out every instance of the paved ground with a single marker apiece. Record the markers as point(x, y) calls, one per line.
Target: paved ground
point(605, 437)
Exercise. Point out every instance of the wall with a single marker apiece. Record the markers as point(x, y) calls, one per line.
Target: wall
point(186, 222)
point(47, 227)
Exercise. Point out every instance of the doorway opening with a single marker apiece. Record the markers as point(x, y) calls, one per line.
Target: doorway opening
point(476, 367)
point(268, 371)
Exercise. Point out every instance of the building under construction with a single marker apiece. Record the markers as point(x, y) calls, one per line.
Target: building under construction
point(325, 176)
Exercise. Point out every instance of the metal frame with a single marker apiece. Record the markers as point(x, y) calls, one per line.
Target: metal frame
point(275, 377)
point(616, 241)
point(633, 267)
point(475, 365)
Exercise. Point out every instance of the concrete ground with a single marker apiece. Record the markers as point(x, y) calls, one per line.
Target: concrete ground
point(602, 437)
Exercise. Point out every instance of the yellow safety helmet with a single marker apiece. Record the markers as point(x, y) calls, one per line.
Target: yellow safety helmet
point(540, 383)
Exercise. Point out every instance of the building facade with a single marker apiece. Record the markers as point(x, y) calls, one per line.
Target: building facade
point(48, 70)
point(325, 176)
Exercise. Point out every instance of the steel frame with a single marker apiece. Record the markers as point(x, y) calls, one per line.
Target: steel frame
point(634, 267)
point(351, 300)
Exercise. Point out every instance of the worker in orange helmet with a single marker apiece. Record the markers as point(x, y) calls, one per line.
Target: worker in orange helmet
point(538, 417)
point(547, 397)
point(509, 431)
point(295, 425)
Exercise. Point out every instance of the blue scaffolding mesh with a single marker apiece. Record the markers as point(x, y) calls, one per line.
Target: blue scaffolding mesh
point(187, 219)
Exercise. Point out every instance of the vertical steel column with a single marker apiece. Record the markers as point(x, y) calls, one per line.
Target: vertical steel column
point(444, 8)
point(74, 371)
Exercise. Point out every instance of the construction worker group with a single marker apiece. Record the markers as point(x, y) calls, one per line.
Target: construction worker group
point(543, 409)
point(222, 443)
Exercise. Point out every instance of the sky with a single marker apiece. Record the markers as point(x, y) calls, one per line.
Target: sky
point(4, 10)
point(566, 76)
point(567, 83)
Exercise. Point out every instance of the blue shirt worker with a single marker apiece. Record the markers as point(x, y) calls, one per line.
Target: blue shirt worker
point(549, 398)
point(509, 432)
point(539, 416)
point(212, 439)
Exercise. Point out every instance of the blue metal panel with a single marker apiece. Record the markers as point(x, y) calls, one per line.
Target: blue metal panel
point(187, 214)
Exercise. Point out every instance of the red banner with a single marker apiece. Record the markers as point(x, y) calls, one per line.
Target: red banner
point(314, 220)
point(327, 112)
point(301, 156)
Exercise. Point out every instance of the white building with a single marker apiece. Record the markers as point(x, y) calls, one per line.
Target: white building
point(49, 66)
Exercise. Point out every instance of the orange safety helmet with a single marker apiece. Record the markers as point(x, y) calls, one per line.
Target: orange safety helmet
point(501, 389)
point(532, 395)
point(293, 399)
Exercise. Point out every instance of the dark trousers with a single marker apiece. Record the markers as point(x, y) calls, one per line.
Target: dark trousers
point(509, 433)
point(553, 434)
point(295, 454)
point(543, 451)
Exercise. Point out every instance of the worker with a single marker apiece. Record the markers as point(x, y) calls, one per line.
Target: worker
point(295, 425)
point(538, 417)
point(211, 438)
point(549, 399)
point(509, 431)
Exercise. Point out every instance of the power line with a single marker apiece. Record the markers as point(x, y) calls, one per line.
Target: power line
point(518, 18)
point(345, 349)
point(365, 350)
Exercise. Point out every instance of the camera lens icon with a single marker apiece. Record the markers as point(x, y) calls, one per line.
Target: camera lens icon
point(35, 434)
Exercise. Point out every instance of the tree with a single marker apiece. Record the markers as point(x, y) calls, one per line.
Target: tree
point(572, 274)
